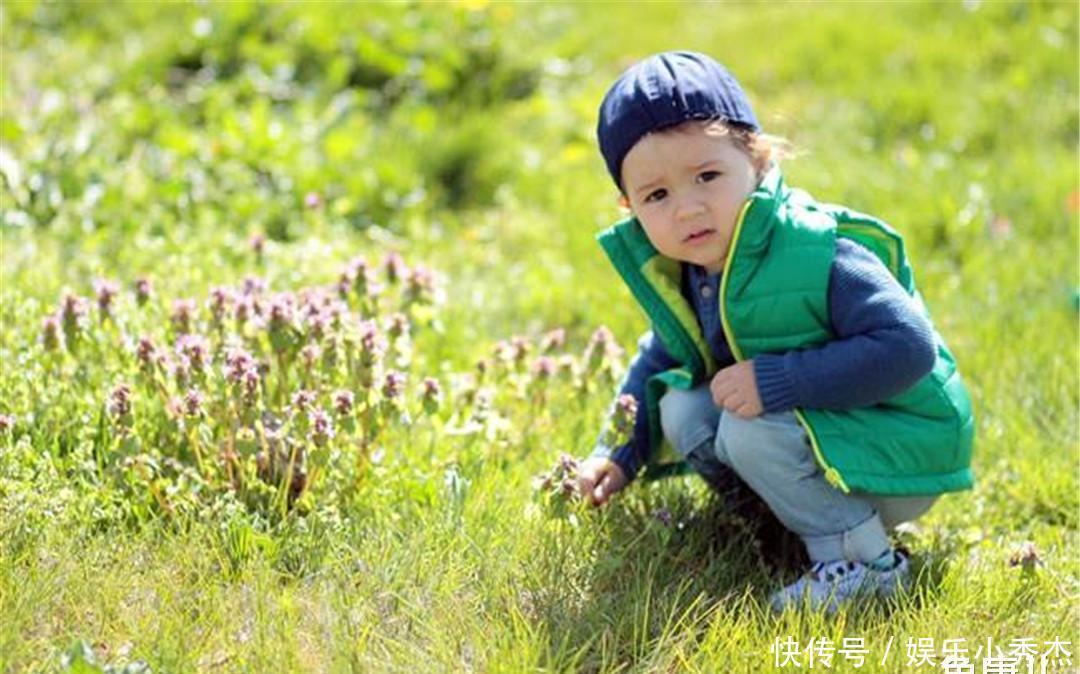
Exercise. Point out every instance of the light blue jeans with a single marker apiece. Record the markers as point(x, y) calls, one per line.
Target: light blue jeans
point(772, 454)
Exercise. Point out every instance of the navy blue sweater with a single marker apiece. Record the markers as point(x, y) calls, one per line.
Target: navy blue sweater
point(883, 344)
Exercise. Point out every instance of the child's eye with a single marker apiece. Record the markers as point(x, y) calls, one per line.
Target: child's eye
point(656, 195)
point(706, 176)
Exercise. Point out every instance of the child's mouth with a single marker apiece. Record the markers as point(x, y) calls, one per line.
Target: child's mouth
point(699, 235)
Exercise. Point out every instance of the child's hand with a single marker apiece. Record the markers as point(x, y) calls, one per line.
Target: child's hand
point(598, 478)
point(735, 389)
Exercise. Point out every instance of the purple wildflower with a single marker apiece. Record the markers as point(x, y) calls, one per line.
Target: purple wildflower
point(601, 350)
point(372, 344)
point(193, 403)
point(553, 341)
point(336, 313)
point(343, 402)
point(626, 405)
point(196, 349)
point(313, 300)
point(322, 428)
point(621, 420)
point(362, 282)
point(422, 286)
point(544, 367)
point(244, 309)
point(358, 266)
point(309, 356)
point(250, 381)
point(393, 385)
point(312, 200)
point(237, 362)
point(183, 313)
point(397, 325)
point(303, 400)
point(254, 286)
point(218, 304)
point(281, 323)
point(73, 317)
point(359, 272)
point(174, 407)
point(519, 350)
point(181, 370)
point(143, 290)
point(542, 482)
point(318, 324)
point(282, 310)
point(242, 371)
point(430, 395)
point(396, 271)
point(51, 336)
point(483, 366)
point(663, 516)
point(431, 388)
point(257, 242)
point(146, 353)
point(119, 403)
point(106, 292)
point(626, 408)
point(332, 350)
point(344, 284)
point(1026, 555)
point(561, 480)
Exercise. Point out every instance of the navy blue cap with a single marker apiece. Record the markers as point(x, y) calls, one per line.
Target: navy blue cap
point(664, 90)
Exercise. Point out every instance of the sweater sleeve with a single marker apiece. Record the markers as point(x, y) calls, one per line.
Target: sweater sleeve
point(651, 358)
point(884, 343)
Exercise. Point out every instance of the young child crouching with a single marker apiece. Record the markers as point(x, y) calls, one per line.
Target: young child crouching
point(789, 348)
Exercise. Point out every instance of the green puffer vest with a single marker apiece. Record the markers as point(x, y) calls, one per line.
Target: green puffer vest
point(774, 298)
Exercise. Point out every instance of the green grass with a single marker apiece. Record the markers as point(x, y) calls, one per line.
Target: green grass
point(138, 141)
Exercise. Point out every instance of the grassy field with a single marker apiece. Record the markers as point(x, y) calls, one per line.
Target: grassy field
point(378, 221)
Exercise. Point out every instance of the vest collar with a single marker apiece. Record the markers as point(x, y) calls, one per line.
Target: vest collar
point(753, 233)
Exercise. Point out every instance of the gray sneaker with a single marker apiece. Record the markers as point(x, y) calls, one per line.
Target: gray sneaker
point(829, 584)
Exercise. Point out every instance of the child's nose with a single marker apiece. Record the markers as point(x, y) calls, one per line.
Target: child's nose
point(689, 208)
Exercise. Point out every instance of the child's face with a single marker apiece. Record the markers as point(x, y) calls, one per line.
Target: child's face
point(687, 188)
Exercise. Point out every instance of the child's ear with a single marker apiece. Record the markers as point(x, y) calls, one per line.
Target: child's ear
point(623, 202)
point(762, 163)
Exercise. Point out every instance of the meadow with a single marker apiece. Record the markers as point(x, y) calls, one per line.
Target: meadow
point(298, 300)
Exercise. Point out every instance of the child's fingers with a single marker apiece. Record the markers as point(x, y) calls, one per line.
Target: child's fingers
point(721, 388)
point(731, 401)
point(585, 484)
point(744, 410)
point(603, 490)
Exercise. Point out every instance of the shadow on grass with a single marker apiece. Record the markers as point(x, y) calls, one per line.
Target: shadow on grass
point(667, 558)
point(670, 558)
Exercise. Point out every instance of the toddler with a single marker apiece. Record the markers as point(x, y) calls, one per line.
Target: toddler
point(789, 349)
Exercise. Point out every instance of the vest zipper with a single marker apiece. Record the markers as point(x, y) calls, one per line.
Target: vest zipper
point(832, 476)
